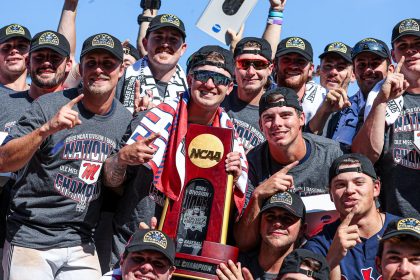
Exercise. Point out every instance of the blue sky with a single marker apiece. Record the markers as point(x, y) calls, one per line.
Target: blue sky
point(318, 21)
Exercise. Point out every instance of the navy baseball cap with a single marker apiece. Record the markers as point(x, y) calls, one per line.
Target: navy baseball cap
point(295, 45)
point(371, 45)
point(50, 40)
point(279, 97)
point(339, 48)
point(166, 20)
point(365, 167)
point(293, 261)
point(264, 50)
point(103, 41)
point(410, 26)
point(288, 201)
point(199, 58)
point(154, 240)
point(14, 30)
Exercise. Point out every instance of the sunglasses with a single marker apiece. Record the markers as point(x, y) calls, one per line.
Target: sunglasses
point(368, 46)
point(244, 64)
point(218, 78)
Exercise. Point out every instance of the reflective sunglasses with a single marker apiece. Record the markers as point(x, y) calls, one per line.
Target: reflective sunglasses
point(244, 64)
point(369, 46)
point(218, 78)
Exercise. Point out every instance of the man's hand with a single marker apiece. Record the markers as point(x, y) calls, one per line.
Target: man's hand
point(233, 272)
point(395, 84)
point(337, 100)
point(233, 165)
point(278, 182)
point(346, 237)
point(139, 152)
point(141, 103)
point(153, 224)
point(66, 117)
point(278, 5)
point(233, 38)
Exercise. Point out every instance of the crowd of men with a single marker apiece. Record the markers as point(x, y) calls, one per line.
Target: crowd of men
point(91, 151)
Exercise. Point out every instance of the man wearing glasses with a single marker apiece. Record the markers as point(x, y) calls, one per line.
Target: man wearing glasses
point(139, 167)
point(395, 146)
point(252, 73)
point(371, 63)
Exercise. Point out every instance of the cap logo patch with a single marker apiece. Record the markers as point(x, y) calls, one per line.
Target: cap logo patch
point(338, 47)
point(103, 40)
point(48, 38)
point(15, 29)
point(172, 19)
point(283, 197)
point(409, 224)
point(295, 42)
point(408, 25)
point(156, 237)
point(369, 40)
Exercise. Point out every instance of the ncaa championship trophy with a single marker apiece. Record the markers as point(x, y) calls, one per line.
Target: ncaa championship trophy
point(198, 221)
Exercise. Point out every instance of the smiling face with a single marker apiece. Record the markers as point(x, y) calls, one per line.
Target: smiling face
point(408, 46)
point(350, 189)
point(293, 71)
point(369, 69)
point(100, 71)
point(13, 54)
point(164, 47)
point(48, 68)
point(400, 259)
point(207, 95)
point(279, 228)
point(335, 72)
point(251, 81)
point(146, 264)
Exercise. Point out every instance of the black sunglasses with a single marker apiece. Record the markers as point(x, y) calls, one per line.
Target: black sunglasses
point(218, 78)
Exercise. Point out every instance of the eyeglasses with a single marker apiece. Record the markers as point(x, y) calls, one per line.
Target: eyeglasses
point(369, 46)
point(218, 78)
point(244, 64)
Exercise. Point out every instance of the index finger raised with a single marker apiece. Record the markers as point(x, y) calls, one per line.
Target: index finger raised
point(75, 100)
point(399, 65)
point(349, 217)
point(151, 138)
point(287, 168)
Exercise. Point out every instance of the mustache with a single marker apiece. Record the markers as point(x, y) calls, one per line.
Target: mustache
point(164, 49)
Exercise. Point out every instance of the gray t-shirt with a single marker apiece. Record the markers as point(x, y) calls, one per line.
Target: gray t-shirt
point(399, 165)
point(310, 177)
point(250, 261)
point(12, 106)
point(56, 197)
point(245, 118)
point(5, 90)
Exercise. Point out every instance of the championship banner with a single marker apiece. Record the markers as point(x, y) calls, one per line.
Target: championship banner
point(198, 220)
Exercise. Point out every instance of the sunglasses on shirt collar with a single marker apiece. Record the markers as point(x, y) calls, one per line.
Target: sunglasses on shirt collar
point(258, 64)
point(218, 78)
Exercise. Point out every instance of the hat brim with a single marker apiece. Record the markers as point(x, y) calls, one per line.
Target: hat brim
point(99, 47)
point(294, 50)
point(346, 57)
point(411, 33)
point(400, 232)
point(162, 25)
point(51, 47)
point(143, 247)
point(282, 206)
point(11, 36)
point(381, 54)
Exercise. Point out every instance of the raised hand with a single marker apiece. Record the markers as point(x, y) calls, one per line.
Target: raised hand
point(153, 224)
point(230, 271)
point(395, 84)
point(139, 152)
point(66, 117)
point(278, 5)
point(141, 103)
point(233, 165)
point(278, 182)
point(337, 100)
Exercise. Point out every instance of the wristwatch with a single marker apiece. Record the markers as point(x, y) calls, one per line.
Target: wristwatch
point(142, 18)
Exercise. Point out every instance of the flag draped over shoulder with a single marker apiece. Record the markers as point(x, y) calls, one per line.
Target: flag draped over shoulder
point(170, 120)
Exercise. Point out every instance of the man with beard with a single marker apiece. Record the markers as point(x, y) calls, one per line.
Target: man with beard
point(157, 74)
point(14, 47)
point(395, 146)
point(58, 146)
point(288, 159)
point(335, 74)
point(371, 63)
point(48, 64)
point(252, 71)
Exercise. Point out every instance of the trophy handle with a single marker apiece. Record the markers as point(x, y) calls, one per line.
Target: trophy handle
point(226, 210)
point(164, 211)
